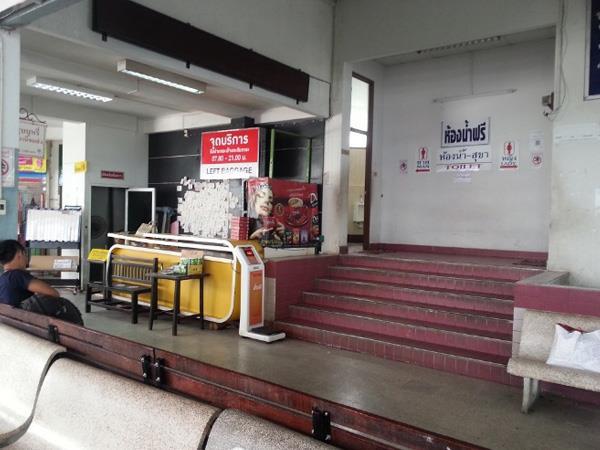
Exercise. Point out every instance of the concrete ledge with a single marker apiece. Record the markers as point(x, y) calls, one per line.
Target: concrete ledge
point(549, 291)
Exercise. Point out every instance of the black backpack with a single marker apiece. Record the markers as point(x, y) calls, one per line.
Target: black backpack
point(58, 307)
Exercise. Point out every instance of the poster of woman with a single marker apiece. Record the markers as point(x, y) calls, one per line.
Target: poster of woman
point(283, 213)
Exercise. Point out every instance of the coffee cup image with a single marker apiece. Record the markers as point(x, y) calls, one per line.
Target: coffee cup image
point(295, 202)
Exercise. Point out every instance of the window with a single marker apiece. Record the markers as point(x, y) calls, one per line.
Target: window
point(359, 113)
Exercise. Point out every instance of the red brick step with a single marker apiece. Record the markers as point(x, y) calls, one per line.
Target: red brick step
point(499, 289)
point(483, 342)
point(399, 310)
point(501, 308)
point(433, 267)
point(458, 361)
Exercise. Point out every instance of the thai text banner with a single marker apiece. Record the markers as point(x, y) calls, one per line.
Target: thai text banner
point(464, 159)
point(465, 133)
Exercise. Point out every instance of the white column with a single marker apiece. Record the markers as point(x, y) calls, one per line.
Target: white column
point(574, 241)
point(10, 67)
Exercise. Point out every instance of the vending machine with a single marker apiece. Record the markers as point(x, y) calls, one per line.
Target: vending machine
point(252, 324)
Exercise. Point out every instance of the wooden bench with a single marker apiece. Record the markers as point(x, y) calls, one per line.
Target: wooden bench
point(537, 336)
point(125, 275)
point(25, 360)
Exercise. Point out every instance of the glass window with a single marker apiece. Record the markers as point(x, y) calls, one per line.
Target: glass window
point(358, 140)
point(359, 106)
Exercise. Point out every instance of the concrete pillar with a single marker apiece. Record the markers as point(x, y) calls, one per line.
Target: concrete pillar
point(10, 66)
point(336, 162)
point(574, 241)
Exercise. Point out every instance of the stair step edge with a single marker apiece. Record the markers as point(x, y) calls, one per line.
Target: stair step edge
point(445, 350)
point(412, 289)
point(421, 274)
point(408, 322)
point(409, 305)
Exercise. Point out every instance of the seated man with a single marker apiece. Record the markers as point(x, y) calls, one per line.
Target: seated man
point(16, 284)
point(21, 289)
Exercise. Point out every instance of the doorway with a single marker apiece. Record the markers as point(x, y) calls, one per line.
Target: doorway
point(359, 177)
point(107, 214)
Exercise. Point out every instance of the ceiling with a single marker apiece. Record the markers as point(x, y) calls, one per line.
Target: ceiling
point(462, 47)
point(54, 58)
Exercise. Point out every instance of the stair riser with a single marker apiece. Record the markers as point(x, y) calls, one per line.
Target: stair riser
point(421, 298)
point(437, 268)
point(439, 361)
point(432, 336)
point(409, 279)
point(432, 316)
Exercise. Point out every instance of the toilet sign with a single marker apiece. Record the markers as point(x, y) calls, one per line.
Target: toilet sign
point(423, 161)
point(510, 158)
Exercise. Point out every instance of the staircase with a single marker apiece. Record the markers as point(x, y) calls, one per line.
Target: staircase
point(451, 316)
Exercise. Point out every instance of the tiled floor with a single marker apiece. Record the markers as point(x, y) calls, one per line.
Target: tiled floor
point(480, 412)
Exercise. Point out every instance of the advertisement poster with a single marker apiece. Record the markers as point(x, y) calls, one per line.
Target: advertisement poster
point(32, 137)
point(423, 161)
point(8, 167)
point(465, 159)
point(283, 213)
point(31, 164)
point(230, 154)
point(465, 133)
point(510, 156)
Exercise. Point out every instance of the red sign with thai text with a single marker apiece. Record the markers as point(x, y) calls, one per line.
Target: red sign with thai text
point(111, 174)
point(230, 154)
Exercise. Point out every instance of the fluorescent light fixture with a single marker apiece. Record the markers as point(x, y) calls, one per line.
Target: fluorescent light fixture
point(159, 76)
point(461, 45)
point(69, 89)
point(469, 96)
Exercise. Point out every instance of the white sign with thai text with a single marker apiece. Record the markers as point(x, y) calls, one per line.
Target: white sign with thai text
point(32, 138)
point(464, 159)
point(465, 132)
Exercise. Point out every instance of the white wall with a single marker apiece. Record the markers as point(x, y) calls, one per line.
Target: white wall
point(506, 210)
point(74, 145)
point(296, 33)
point(112, 149)
point(106, 140)
point(365, 30)
point(575, 231)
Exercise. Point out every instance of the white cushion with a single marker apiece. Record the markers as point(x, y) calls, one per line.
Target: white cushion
point(574, 349)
